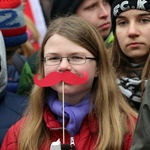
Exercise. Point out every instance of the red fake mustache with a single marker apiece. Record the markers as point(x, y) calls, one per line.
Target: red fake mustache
point(56, 77)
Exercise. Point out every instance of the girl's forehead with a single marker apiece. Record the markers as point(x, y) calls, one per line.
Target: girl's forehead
point(58, 43)
point(134, 12)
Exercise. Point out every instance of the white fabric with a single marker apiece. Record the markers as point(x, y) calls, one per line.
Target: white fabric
point(3, 71)
point(131, 88)
point(38, 18)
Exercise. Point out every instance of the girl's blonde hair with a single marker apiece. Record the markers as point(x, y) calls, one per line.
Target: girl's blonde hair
point(110, 108)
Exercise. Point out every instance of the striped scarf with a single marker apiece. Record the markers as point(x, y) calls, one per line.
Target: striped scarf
point(131, 87)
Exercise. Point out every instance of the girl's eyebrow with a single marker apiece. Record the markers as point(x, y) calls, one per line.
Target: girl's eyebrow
point(89, 4)
point(74, 53)
point(120, 17)
point(144, 14)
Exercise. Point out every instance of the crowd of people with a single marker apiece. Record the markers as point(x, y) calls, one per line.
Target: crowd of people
point(86, 87)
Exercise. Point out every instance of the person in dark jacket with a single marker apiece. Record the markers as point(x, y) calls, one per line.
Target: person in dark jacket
point(11, 104)
point(141, 139)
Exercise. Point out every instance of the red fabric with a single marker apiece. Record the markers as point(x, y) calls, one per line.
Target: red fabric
point(128, 138)
point(14, 31)
point(28, 11)
point(7, 4)
point(84, 140)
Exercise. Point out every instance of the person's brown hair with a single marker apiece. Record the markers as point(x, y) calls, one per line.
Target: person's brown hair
point(111, 109)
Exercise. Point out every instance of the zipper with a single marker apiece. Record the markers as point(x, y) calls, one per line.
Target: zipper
point(72, 144)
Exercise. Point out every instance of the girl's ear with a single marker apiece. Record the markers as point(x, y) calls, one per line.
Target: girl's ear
point(96, 72)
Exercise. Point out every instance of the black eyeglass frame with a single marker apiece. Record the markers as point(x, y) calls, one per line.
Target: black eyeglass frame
point(44, 59)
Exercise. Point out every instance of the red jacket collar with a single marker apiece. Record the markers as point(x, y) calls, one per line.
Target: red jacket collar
point(52, 122)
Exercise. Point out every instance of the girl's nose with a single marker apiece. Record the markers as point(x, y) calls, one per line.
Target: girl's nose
point(64, 65)
point(103, 12)
point(133, 30)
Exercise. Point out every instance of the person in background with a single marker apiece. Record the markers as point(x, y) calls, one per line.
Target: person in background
point(13, 28)
point(131, 49)
point(96, 12)
point(46, 8)
point(32, 44)
point(106, 113)
point(11, 104)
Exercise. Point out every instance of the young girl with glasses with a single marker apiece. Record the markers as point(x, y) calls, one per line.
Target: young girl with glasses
point(96, 116)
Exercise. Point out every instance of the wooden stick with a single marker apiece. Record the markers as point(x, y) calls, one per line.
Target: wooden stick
point(63, 115)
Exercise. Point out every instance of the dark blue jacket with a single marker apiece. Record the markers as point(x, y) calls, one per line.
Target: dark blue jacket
point(12, 107)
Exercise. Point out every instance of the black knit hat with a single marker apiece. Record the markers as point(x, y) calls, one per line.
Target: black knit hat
point(64, 7)
point(120, 6)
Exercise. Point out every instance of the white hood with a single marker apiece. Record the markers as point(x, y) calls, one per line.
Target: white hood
point(3, 71)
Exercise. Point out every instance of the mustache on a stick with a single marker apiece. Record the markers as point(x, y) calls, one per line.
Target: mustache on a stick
point(56, 77)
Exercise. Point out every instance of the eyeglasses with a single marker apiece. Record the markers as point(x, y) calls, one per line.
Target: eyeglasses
point(74, 60)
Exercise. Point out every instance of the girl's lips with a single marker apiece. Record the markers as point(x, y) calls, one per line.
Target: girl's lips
point(134, 45)
point(104, 26)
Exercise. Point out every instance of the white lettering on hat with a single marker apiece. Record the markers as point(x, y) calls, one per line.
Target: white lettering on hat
point(124, 6)
point(140, 4)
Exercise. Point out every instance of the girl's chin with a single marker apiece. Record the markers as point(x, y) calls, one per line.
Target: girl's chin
point(66, 90)
point(60, 86)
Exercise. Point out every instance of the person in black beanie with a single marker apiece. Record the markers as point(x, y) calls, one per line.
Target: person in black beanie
point(130, 52)
point(120, 6)
point(96, 12)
